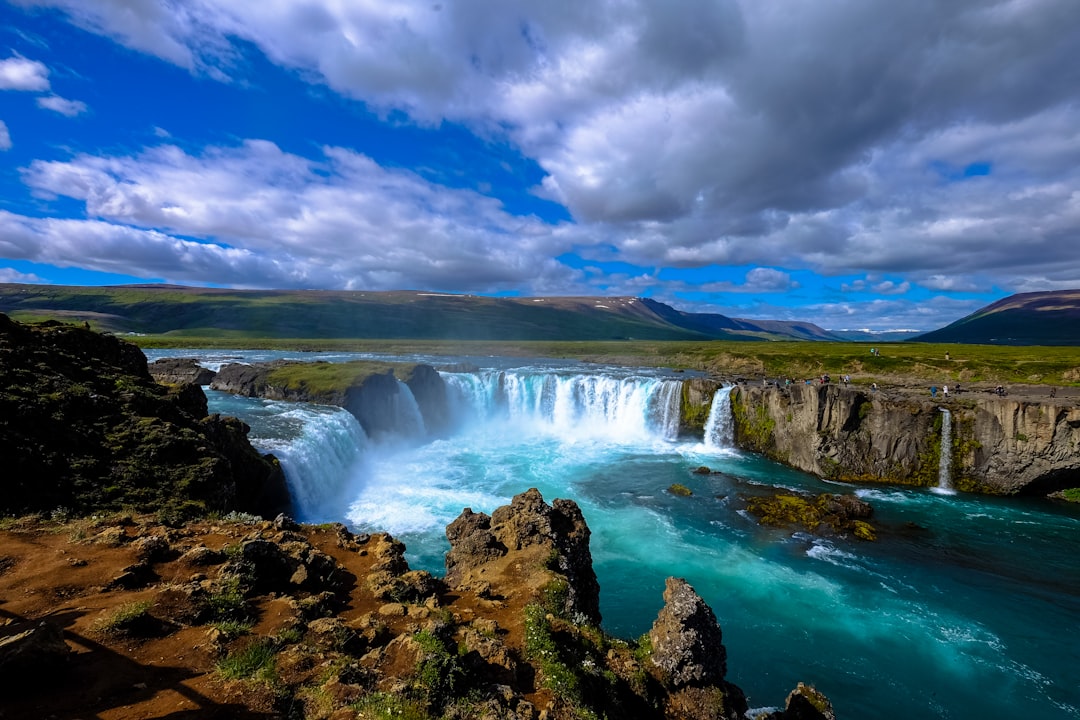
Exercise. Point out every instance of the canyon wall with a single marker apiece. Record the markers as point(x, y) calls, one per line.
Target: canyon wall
point(998, 445)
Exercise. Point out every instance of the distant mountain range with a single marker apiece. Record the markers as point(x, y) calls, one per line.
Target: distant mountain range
point(1039, 318)
point(322, 314)
point(1046, 318)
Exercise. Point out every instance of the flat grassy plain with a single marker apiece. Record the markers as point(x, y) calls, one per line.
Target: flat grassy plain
point(896, 362)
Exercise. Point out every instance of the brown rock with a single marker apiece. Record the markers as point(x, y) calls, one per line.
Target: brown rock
point(529, 522)
point(687, 645)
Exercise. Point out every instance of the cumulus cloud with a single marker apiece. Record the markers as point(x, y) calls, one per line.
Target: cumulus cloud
point(70, 108)
point(5, 136)
point(341, 222)
point(11, 275)
point(18, 73)
point(833, 136)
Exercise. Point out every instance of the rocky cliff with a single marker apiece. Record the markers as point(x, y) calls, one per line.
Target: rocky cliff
point(84, 428)
point(239, 618)
point(375, 393)
point(998, 445)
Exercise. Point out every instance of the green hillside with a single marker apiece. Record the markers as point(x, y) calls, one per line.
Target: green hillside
point(319, 314)
point(1042, 318)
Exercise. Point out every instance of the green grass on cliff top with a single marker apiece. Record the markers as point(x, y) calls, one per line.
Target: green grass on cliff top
point(320, 378)
point(798, 360)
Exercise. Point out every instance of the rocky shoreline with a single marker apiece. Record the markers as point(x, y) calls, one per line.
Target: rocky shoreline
point(241, 618)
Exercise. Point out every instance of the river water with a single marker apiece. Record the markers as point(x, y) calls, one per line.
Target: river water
point(965, 607)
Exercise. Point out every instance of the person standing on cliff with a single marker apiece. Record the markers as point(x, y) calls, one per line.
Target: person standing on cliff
point(933, 391)
point(945, 391)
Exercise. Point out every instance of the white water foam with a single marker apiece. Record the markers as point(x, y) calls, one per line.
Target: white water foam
point(319, 460)
point(571, 407)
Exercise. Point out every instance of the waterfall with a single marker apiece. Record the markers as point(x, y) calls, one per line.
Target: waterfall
point(945, 460)
point(720, 427)
point(319, 448)
point(408, 420)
point(570, 405)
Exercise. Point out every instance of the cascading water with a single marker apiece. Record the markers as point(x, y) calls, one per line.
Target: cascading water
point(319, 448)
point(945, 460)
point(408, 420)
point(570, 406)
point(720, 427)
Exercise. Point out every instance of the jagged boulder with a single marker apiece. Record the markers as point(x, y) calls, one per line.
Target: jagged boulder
point(180, 371)
point(805, 702)
point(245, 379)
point(687, 644)
point(283, 565)
point(557, 532)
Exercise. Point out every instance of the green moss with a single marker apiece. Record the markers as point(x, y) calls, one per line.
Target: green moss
point(808, 512)
point(1072, 495)
point(864, 531)
point(680, 490)
point(692, 416)
point(753, 428)
point(784, 510)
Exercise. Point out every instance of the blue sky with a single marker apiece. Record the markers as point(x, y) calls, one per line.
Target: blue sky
point(832, 162)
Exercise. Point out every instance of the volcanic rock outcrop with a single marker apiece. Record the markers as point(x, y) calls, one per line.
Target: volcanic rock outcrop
point(554, 537)
point(83, 427)
point(179, 371)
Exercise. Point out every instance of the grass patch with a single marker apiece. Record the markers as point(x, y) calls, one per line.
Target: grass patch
point(228, 603)
point(125, 620)
point(321, 377)
point(439, 671)
point(232, 629)
point(385, 706)
point(1072, 495)
point(542, 648)
point(255, 661)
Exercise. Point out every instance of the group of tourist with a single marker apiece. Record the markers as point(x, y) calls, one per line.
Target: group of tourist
point(944, 390)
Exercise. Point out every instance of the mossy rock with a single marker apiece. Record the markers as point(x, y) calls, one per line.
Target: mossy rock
point(838, 513)
point(680, 490)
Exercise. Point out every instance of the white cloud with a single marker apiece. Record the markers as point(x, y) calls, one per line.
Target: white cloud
point(341, 222)
point(70, 108)
point(11, 275)
point(18, 73)
point(831, 136)
point(5, 136)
